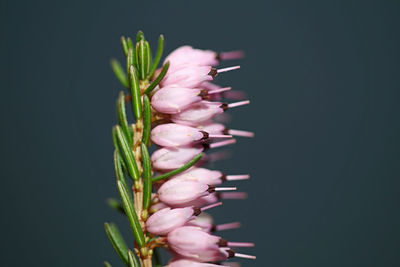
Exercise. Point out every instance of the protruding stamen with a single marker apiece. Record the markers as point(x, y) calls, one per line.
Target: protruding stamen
point(216, 189)
point(237, 177)
point(241, 244)
point(245, 256)
point(211, 206)
point(231, 55)
point(241, 133)
point(219, 90)
point(237, 104)
point(227, 226)
point(223, 143)
point(233, 195)
point(219, 136)
point(228, 69)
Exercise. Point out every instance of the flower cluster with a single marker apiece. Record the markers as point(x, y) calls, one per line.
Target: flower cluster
point(188, 104)
point(178, 108)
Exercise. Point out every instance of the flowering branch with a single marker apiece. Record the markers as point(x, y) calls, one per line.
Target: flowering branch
point(174, 107)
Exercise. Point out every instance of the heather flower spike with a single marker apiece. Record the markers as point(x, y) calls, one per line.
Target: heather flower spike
point(164, 195)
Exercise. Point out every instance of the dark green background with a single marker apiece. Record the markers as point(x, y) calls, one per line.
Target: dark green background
point(323, 78)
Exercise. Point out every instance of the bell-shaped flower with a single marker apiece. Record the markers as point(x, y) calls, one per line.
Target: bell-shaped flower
point(173, 135)
point(203, 111)
point(169, 158)
point(190, 263)
point(179, 192)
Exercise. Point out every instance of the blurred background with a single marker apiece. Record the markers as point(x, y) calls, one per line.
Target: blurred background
point(323, 78)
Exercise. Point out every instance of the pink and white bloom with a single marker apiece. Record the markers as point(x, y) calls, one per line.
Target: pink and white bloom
point(173, 135)
point(202, 112)
point(173, 99)
point(191, 263)
point(179, 192)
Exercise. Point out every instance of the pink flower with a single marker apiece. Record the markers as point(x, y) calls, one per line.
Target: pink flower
point(192, 76)
point(218, 128)
point(173, 135)
point(178, 192)
point(164, 221)
point(190, 263)
point(202, 112)
point(192, 242)
point(207, 176)
point(206, 223)
point(168, 158)
point(173, 99)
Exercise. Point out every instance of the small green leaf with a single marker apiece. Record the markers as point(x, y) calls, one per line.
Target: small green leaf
point(179, 170)
point(133, 262)
point(119, 173)
point(115, 205)
point(147, 58)
point(130, 212)
point(131, 46)
point(117, 241)
point(107, 264)
point(146, 119)
point(135, 92)
point(119, 72)
point(130, 59)
point(127, 154)
point(139, 36)
point(157, 80)
point(160, 49)
point(116, 146)
point(124, 45)
point(146, 176)
point(143, 59)
point(121, 115)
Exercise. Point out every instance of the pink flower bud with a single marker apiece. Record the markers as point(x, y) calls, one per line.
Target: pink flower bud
point(189, 241)
point(169, 158)
point(173, 135)
point(158, 206)
point(201, 175)
point(199, 113)
point(192, 242)
point(188, 56)
point(164, 221)
point(181, 192)
point(172, 100)
point(189, 77)
point(190, 263)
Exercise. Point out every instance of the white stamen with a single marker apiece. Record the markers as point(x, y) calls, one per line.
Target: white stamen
point(245, 256)
point(227, 226)
point(237, 104)
point(237, 177)
point(225, 189)
point(228, 69)
point(223, 143)
point(219, 136)
point(241, 133)
point(211, 206)
point(219, 90)
point(241, 244)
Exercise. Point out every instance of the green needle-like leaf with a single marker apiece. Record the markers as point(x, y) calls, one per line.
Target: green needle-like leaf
point(116, 146)
point(133, 262)
point(107, 264)
point(147, 58)
point(139, 36)
point(157, 80)
point(179, 170)
point(160, 49)
point(143, 59)
point(127, 154)
point(146, 176)
point(130, 59)
point(135, 92)
point(124, 45)
point(117, 241)
point(119, 173)
point(131, 214)
point(115, 205)
point(119, 72)
point(146, 119)
point(122, 120)
point(131, 46)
